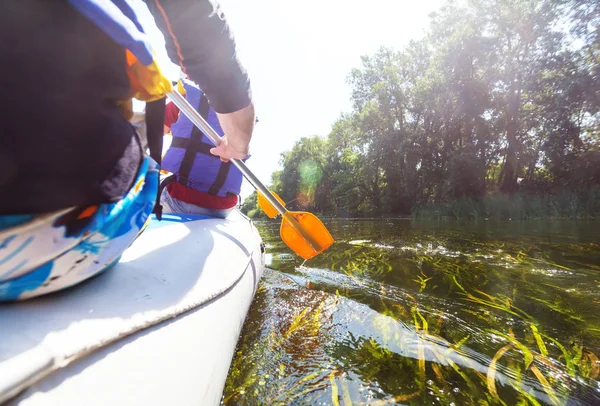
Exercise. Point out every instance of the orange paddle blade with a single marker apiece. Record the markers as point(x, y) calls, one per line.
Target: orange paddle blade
point(305, 234)
point(267, 207)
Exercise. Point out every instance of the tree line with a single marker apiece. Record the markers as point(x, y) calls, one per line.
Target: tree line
point(500, 98)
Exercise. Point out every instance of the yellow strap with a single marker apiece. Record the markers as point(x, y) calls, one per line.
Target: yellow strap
point(181, 87)
point(147, 81)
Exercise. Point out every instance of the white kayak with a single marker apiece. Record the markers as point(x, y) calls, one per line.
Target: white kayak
point(159, 328)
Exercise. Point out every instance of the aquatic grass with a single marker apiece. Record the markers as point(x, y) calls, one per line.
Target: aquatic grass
point(539, 341)
point(439, 324)
point(528, 398)
point(298, 321)
point(392, 400)
point(437, 371)
point(503, 303)
point(334, 390)
point(456, 347)
point(569, 361)
point(461, 291)
point(363, 262)
point(419, 326)
point(498, 303)
point(306, 321)
point(491, 373)
point(528, 361)
point(527, 355)
point(558, 308)
point(422, 281)
point(421, 363)
point(545, 385)
point(346, 398)
point(285, 398)
point(591, 370)
point(575, 360)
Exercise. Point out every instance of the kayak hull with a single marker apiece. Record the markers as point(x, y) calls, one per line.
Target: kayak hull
point(160, 327)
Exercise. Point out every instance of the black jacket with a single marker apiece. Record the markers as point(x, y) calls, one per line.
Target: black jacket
point(63, 140)
point(198, 38)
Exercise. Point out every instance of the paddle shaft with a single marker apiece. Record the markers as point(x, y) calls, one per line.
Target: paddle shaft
point(199, 121)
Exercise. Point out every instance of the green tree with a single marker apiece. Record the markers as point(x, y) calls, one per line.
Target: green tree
point(299, 183)
point(250, 207)
point(498, 92)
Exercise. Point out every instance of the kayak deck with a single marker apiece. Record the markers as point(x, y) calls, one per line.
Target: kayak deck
point(161, 326)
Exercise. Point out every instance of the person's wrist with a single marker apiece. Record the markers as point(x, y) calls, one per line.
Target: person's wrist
point(240, 145)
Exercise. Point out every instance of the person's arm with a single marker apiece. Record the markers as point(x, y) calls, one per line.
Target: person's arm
point(199, 39)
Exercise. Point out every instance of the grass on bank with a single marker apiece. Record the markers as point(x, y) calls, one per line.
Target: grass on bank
point(566, 205)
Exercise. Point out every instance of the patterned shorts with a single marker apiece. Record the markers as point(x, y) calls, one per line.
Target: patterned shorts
point(46, 253)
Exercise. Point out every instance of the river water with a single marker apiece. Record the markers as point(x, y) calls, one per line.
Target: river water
point(426, 313)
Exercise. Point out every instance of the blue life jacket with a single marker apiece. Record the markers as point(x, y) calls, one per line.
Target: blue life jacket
point(189, 156)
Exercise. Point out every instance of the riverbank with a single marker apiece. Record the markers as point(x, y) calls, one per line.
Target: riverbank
point(521, 206)
point(562, 206)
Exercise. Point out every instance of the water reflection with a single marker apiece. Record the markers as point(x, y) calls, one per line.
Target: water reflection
point(427, 313)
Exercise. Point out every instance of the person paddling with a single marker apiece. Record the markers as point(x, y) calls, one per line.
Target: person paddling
point(75, 183)
point(201, 183)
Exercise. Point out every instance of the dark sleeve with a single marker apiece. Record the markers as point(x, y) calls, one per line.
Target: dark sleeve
point(199, 39)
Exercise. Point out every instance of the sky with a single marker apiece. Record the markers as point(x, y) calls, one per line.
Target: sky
point(299, 54)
